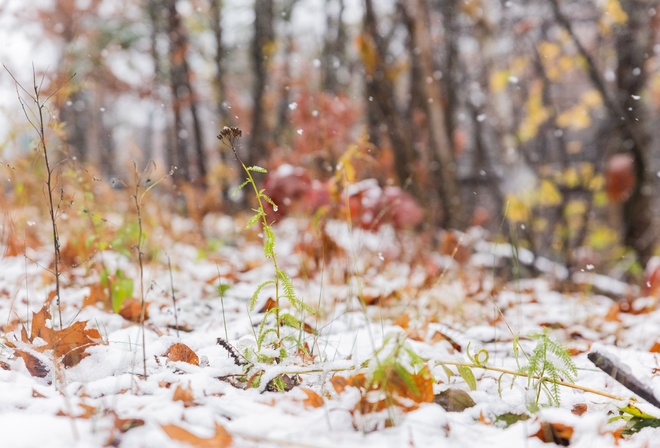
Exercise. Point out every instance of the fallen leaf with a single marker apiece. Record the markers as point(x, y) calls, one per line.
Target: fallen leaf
point(557, 433)
point(402, 321)
point(454, 400)
point(88, 411)
point(126, 424)
point(181, 352)
point(69, 343)
point(579, 409)
point(655, 348)
point(131, 310)
point(183, 394)
point(613, 313)
point(33, 364)
point(96, 294)
point(221, 438)
point(269, 305)
point(313, 399)
point(509, 418)
point(339, 383)
point(36, 394)
point(120, 426)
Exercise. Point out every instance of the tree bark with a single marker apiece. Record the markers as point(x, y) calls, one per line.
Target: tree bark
point(263, 43)
point(334, 47)
point(183, 97)
point(381, 101)
point(446, 184)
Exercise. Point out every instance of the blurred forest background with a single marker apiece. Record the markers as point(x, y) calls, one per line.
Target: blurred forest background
point(533, 118)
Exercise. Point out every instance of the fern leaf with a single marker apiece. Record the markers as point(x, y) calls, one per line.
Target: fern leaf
point(253, 220)
point(255, 295)
point(269, 200)
point(240, 187)
point(269, 242)
point(257, 169)
point(290, 320)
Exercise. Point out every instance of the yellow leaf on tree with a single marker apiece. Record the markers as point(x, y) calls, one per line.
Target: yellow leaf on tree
point(499, 80)
point(549, 50)
point(591, 99)
point(517, 209)
point(615, 13)
point(548, 193)
point(576, 117)
point(602, 237)
point(571, 178)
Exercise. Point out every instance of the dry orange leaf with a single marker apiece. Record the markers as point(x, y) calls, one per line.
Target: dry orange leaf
point(579, 409)
point(339, 383)
point(313, 399)
point(613, 313)
point(402, 321)
point(269, 305)
point(69, 343)
point(33, 364)
point(132, 310)
point(181, 352)
point(183, 394)
point(96, 294)
point(655, 348)
point(557, 433)
point(221, 438)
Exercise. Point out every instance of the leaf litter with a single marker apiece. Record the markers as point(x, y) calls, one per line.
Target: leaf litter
point(377, 367)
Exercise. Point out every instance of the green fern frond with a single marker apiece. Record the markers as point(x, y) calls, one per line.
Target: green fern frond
point(269, 200)
point(269, 242)
point(290, 320)
point(240, 187)
point(256, 169)
point(253, 220)
point(255, 295)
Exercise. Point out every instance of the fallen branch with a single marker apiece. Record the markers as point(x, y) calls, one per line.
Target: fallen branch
point(622, 374)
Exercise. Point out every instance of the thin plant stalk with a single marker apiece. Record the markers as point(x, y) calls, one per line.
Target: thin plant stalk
point(140, 254)
point(39, 127)
point(176, 317)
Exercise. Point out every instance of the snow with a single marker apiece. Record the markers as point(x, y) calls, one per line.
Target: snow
point(78, 406)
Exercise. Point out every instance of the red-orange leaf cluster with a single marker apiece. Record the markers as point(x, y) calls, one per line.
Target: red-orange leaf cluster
point(405, 393)
point(68, 343)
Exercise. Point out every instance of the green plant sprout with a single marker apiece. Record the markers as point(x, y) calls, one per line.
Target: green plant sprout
point(281, 281)
point(548, 363)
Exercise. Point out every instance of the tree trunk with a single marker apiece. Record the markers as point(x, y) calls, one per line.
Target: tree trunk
point(446, 184)
point(633, 44)
point(183, 97)
point(263, 47)
point(220, 87)
point(381, 93)
point(334, 46)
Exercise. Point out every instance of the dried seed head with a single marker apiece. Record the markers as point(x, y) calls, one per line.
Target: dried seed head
point(230, 133)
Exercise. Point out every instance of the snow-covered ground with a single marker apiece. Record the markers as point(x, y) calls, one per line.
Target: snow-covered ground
point(203, 400)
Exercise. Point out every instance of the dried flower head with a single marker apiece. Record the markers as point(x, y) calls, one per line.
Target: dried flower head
point(230, 134)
